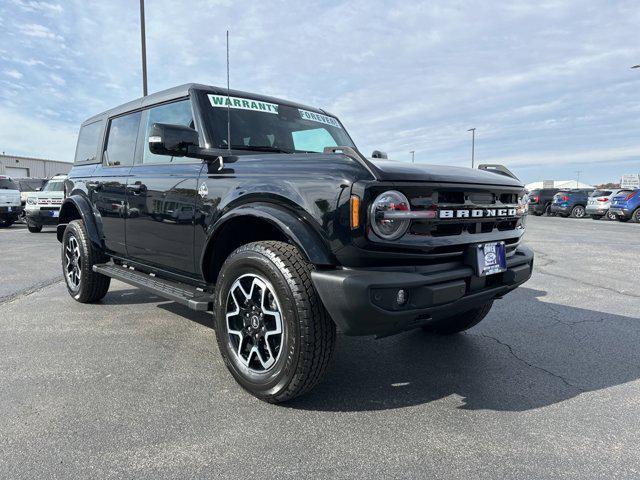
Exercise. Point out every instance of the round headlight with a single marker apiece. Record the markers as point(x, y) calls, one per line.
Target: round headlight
point(383, 225)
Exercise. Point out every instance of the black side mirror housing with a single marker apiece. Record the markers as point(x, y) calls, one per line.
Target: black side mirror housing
point(379, 154)
point(169, 139)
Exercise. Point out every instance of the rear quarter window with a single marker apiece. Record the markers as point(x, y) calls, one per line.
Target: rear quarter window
point(88, 140)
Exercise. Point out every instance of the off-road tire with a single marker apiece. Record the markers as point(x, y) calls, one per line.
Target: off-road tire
point(33, 228)
point(459, 323)
point(578, 212)
point(309, 333)
point(92, 286)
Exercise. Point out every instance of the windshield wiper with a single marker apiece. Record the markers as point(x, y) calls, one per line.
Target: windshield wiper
point(257, 148)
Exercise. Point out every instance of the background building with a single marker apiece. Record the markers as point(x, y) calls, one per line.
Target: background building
point(21, 167)
point(557, 184)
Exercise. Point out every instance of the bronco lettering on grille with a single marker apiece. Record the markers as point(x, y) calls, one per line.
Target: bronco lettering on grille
point(478, 213)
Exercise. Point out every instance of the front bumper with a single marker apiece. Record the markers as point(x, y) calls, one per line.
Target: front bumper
point(43, 217)
point(361, 301)
point(10, 213)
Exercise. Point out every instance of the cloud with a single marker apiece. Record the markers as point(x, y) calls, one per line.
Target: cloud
point(57, 79)
point(38, 31)
point(24, 134)
point(38, 6)
point(13, 74)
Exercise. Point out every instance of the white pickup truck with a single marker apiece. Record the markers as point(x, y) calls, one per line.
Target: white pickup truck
point(10, 204)
point(43, 207)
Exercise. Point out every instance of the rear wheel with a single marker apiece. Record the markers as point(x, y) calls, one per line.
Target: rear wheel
point(273, 332)
point(34, 228)
point(79, 256)
point(610, 215)
point(460, 322)
point(595, 217)
point(578, 211)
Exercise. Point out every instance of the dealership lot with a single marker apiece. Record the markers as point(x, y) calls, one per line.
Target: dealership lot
point(547, 386)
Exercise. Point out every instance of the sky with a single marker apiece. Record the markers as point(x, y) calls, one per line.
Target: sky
point(547, 84)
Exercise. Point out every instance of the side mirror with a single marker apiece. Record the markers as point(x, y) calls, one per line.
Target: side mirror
point(174, 140)
point(379, 154)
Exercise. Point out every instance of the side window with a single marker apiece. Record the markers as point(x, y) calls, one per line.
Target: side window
point(88, 140)
point(121, 143)
point(177, 113)
point(313, 140)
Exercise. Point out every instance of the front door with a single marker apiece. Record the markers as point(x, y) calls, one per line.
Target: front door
point(161, 198)
point(107, 188)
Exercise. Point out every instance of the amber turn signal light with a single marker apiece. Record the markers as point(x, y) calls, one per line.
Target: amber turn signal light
point(355, 212)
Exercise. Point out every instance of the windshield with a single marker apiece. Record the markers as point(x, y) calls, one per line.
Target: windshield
point(7, 184)
point(270, 127)
point(54, 186)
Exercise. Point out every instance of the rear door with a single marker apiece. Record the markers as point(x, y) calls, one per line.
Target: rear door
point(107, 185)
point(161, 198)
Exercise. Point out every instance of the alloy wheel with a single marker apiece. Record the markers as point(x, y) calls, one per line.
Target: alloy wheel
point(579, 212)
point(73, 267)
point(254, 323)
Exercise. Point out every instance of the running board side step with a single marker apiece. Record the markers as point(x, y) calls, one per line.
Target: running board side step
point(181, 293)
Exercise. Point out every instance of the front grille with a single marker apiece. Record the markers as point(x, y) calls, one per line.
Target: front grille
point(457, 198)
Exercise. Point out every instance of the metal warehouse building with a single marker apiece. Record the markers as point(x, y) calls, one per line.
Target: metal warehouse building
point(20, 167)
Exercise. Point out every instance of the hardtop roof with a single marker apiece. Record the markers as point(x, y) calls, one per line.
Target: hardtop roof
point(182, 91)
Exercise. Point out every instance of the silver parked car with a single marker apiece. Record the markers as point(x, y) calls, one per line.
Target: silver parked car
point(600, 201)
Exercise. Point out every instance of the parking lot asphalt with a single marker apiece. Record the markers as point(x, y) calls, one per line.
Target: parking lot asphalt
point(547, 386)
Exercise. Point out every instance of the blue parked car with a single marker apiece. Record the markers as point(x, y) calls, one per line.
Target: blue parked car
point(626, 206)
point(571, 203)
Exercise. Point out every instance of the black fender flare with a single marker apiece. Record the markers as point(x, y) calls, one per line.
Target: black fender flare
point(69, 210)
point(295, 228)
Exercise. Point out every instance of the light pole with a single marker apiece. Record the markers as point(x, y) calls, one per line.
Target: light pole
point(144, 50)
point(413, 156)
point(473, 144)
point(578, 172)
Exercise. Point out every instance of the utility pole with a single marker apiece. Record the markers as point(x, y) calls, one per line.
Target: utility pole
point(144, 50)
point(578, 172)
point(473, 144)
point(413, 157)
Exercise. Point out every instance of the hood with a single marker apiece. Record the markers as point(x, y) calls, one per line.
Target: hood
point(388, 170)
point(10, 197)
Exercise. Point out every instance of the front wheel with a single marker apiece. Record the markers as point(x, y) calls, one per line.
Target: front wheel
point(595, 217)
point(79, 256)
point(578, 211)
point(610, 215)
point(273, 332)
point(33, 228)
point(460, 322)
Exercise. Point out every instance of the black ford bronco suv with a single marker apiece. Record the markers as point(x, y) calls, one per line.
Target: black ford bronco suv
point(265, 213)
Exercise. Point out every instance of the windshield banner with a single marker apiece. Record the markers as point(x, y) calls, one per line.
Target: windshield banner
point(222, 101)
point(317, 117)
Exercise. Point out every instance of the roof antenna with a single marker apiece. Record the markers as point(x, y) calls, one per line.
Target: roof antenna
point(228, 101)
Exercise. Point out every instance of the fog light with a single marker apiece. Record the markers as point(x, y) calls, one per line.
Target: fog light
point(402, 297)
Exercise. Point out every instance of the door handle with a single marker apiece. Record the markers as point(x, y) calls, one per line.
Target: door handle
point(94, 185)
point(137, 188)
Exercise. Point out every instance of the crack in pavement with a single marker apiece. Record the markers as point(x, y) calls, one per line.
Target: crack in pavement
point(29, 290)
point(530, 365)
